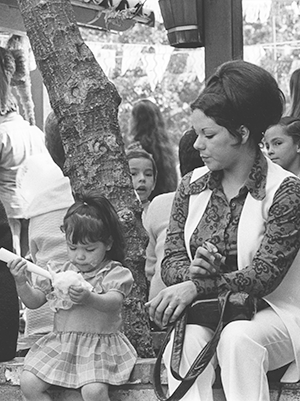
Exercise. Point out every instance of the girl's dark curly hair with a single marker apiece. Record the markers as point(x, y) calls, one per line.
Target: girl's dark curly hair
point(93, 218)
point(147, 127)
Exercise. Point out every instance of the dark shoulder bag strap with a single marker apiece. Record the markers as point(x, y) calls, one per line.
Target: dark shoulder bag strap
point(199, 363)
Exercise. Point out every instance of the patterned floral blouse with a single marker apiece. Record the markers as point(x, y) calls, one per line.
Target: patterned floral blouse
point(219, 225)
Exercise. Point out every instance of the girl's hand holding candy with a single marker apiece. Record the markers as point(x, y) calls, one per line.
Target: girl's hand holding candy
point(18, 268)
point(79, 294)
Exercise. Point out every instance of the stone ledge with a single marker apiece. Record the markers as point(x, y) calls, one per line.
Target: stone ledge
point(139, 387)
point(142, 373)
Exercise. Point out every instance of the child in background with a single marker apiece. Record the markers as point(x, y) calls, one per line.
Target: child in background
point(147, 127)
point(86, 349)
point(158, 215)
point(143, 171)
point(282, 143)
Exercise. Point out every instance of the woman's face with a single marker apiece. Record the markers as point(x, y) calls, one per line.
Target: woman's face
point(280, 147)
point(214, 143)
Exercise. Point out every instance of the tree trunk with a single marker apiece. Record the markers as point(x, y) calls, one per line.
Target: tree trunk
point(86, 104)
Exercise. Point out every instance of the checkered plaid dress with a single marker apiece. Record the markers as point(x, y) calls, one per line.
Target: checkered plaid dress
point(86, 345)
point(74, 359)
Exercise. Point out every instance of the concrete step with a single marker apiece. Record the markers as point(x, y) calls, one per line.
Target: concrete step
point(139, 388)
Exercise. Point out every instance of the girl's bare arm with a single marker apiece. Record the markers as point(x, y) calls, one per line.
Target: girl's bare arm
point(109, 301)
point(33, 298)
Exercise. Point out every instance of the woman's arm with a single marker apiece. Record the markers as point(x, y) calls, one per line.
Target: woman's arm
point(176, 262)
point(278, 249)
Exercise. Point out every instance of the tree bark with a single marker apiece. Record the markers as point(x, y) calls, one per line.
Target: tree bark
point(86, 104)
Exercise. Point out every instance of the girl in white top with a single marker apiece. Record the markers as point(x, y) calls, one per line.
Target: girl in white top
point(143, 171)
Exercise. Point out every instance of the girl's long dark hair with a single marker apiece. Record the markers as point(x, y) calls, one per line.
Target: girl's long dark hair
point(295, 94)
point(93, 218)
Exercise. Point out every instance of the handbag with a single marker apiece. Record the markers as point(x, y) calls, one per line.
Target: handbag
point(214, 313)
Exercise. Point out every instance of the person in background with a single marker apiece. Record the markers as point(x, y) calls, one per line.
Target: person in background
point(248, 209)
point(9, 303)
point(158, 214)
point(294, 109)
point(86, 348)
point(143, 171)
point(147, 127)
point(18, 141)
point(282, 143)
point(47, 196)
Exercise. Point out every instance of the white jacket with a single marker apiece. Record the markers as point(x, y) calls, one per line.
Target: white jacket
point(285, 299)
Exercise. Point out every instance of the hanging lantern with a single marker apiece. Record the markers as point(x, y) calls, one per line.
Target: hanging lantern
point(183, 20)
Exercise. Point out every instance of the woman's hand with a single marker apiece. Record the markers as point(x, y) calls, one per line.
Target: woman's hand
point(18, 269)
point(207, 261)
point(167, 306)
point(79, 294)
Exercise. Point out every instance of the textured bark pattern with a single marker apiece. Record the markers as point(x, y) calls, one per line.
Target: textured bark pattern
point(86, 104)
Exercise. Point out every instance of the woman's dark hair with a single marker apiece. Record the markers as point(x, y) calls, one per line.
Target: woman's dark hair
point(292, 127)
point(189, 157)
point(295, 94)
point(93, 218)
point(147, 126)
point(242, 94)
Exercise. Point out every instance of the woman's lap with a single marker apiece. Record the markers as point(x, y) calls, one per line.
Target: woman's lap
point(246, 349)
point(267, 330)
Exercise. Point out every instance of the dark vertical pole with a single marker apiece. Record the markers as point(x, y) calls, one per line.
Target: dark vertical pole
point(223, 32)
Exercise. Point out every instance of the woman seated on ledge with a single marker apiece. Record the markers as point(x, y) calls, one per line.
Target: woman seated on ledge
point(248, 208)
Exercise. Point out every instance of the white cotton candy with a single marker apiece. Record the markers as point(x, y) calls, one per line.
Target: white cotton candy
point(59, 298)
point(63, 280)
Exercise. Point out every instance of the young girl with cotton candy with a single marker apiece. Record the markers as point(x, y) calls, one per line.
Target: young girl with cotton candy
point(86, 348)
